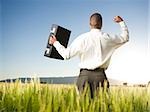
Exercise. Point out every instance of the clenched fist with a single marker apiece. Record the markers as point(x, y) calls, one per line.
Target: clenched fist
point(118, 19)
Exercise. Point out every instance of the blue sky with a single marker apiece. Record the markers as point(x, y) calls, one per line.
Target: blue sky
point(25, 26)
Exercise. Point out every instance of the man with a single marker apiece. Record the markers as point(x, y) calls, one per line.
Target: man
point(94, 49)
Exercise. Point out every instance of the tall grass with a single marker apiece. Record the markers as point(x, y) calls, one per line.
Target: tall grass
point(36, 97)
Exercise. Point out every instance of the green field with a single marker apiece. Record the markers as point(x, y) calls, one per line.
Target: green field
point(36, 97)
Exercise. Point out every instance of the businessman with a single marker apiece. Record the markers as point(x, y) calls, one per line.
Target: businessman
point(94, 49)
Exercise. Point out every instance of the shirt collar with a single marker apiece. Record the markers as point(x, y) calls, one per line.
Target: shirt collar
point(95, 30)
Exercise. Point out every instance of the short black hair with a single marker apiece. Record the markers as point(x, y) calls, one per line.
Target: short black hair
point(96, 20)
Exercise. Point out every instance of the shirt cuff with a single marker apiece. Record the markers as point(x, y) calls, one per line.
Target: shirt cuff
point(122, 24)
point(56, 44)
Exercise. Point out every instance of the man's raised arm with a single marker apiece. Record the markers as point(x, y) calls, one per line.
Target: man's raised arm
point(123, 37)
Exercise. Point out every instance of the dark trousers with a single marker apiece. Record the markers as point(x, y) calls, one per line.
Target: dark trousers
point(93, 78)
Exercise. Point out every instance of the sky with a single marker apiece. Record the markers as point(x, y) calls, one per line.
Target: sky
point(25, 27)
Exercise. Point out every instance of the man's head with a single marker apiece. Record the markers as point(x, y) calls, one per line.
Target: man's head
point(96, 21)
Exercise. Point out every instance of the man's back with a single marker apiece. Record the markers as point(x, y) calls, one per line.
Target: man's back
point(95, 50)
point(90, 47)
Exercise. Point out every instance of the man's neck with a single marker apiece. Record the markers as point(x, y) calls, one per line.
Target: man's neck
point(94, 28)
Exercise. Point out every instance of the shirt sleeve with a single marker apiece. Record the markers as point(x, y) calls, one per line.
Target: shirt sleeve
point(74, 49)
point(119, 39)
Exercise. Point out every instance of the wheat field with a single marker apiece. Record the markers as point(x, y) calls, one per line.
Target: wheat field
point(36, 97)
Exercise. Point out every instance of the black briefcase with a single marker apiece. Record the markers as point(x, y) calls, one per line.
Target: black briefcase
point(62, 35)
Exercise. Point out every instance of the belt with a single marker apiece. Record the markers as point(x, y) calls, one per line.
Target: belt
point(96, 69)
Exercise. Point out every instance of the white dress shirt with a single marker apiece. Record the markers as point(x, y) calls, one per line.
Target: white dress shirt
point(94, 48)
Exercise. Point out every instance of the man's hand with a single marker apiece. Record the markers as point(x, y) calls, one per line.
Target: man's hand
point(52, 40)
point(118, 19)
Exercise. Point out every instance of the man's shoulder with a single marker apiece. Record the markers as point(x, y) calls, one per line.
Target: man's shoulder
point(104, 34)
point(83, 36)
point(86, 35)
